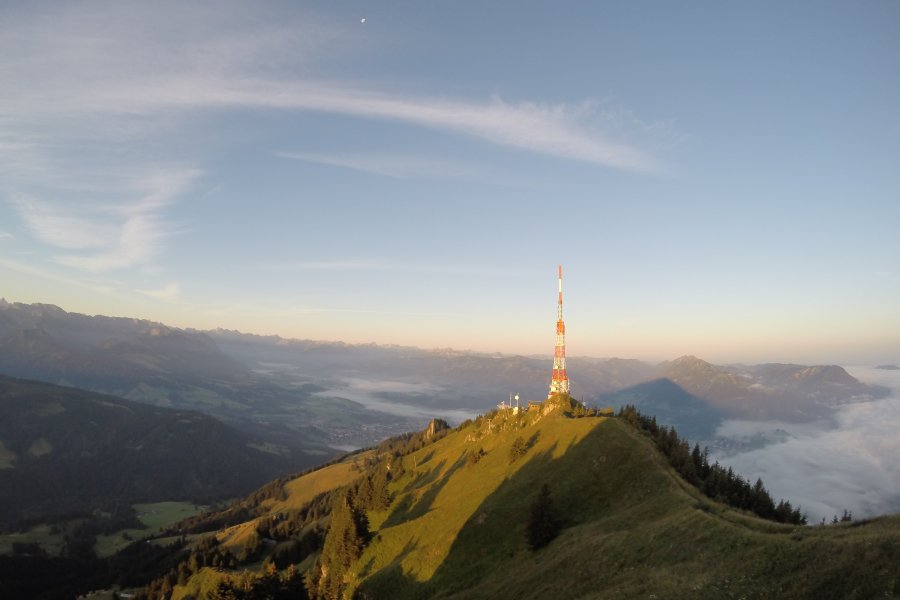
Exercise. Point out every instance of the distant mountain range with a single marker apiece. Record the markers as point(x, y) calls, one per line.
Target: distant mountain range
point(169, 367)
point(687, 392)
point(304, 394)
point(44, 342)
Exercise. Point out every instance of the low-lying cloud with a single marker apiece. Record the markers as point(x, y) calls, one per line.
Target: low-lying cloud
point(371, 394)
point(845, 463)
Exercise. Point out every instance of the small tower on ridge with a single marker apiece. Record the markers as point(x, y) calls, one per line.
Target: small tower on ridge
point(559, 381)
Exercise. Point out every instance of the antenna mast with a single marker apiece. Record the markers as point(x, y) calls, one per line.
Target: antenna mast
point(559, 381)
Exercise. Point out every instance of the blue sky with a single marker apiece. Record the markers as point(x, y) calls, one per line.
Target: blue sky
point(719, 179)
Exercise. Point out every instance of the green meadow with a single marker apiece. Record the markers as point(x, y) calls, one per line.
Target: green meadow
point(155, 517)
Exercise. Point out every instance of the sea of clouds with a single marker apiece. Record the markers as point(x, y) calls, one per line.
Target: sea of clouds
point(846, 462)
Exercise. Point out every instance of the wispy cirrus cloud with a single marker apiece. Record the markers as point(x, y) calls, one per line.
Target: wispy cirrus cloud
point(77, 282)
point(562, 130)
point(395, 166)
point(95, 95)
point(133, 64)
point(565, 131)
point(96, 237)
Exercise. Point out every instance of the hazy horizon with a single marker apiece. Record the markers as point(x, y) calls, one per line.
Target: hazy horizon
point(547, 354)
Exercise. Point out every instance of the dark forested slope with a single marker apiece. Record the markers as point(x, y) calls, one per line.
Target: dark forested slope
point(64, 450)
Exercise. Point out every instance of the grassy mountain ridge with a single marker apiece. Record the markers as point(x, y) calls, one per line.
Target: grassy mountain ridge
point(455, 525)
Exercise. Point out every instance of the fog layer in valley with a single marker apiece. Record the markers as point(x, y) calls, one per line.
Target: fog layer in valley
point(846, 462)
point(388, 397)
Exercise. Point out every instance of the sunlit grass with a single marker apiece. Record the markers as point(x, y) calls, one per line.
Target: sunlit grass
point(299, 492)
point(439, 493)
point(632, 528)
point(303, 489)
point(200, 585)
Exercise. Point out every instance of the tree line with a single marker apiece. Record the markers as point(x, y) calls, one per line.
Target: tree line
point(714, 480)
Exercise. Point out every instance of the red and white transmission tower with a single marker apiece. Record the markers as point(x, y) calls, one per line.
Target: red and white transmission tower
point(559, 381)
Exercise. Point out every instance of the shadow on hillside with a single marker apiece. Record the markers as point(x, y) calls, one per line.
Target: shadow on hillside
point(583, 483)
point(394, 564)
point(672, 405)
point(406, 510)
point(427, 458)
point(425, 477)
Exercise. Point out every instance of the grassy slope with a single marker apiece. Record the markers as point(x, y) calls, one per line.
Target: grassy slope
point(201, 585)
point(302, 490)
point(633, 529)
point(299, 492)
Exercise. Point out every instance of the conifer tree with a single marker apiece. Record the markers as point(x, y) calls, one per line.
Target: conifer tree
point(543, 525)
point(347, 536)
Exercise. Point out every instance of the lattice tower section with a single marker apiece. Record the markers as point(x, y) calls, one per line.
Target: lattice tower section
point(559, 381)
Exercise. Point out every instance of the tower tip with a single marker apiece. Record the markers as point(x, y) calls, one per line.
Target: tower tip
point(560, 271)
